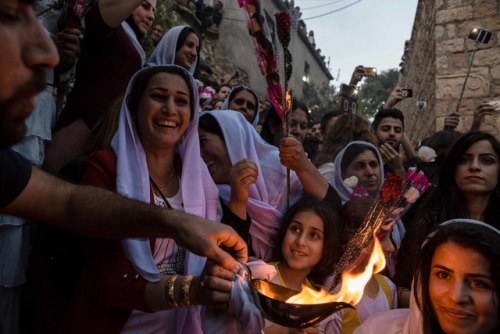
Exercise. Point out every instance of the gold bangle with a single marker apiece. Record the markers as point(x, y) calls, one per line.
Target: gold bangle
point(185, 287)
point(169, 287)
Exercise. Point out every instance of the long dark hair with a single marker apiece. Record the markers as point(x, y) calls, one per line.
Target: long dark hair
point(467, 235)
point(347, 127)
point(448, 197)
point(332, 233)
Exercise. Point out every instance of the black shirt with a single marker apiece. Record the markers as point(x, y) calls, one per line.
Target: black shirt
point(15, 172)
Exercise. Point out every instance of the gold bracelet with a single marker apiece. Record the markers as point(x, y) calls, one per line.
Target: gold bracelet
point(185, 287)
point(169, 289)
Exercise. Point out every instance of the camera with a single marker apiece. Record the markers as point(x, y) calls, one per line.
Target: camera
point(480, 35)
point(370, 71)
point(407, 92)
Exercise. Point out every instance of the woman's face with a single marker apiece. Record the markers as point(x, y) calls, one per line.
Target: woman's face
point(164, 110)
point(366, 168)
point(299, 124)
point(188, 53)
point(477, 170)
point(302, 246)
point(461, 290)
point(214, 153)
point(245, 103)
point(144, 15)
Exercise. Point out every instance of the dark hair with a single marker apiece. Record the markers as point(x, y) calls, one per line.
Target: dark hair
point(448, 196)
point(332, 233)
point(347, 128)
point(441, 142)
point(299, 105)
point(471, 236)
point(182, 39)
point(142, 79)
point(384, 113)
point(183, 36)
point(326, 117)
point(208, 123)
point(271, 130)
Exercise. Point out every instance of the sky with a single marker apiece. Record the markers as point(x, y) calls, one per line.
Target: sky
point(369, 33)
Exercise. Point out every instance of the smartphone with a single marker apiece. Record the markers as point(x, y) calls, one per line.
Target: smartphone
point(407, 92)
point(370, 71)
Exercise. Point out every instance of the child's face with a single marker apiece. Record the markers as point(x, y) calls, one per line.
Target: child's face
point(303, 242)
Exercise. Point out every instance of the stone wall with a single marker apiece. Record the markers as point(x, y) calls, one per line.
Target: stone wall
point(437, 64)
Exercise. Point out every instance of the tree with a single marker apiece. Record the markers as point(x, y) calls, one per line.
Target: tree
point(375, 90)
point(322, 96)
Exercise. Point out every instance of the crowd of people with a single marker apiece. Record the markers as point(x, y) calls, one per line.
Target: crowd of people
point(168, 194)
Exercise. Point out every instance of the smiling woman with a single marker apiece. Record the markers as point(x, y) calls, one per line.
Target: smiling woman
point(179, 46)
point(458, 280)
point(468, 188)
point(155, 158)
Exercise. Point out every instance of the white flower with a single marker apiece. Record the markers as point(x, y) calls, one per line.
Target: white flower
point(426, 154)
point(351, 182)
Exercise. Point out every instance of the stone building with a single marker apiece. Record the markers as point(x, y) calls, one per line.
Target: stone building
point(231, 54)
point(436, 60)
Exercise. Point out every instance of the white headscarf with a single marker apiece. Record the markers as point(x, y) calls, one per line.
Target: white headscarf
point(345, 192)
point(199, 193)
point(237, 89)
point(132, 36)
point(408, 321)
point(268, 196)
point(338, 182)
point(164, 52)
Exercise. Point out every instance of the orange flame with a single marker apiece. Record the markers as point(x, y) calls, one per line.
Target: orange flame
point(353, 285)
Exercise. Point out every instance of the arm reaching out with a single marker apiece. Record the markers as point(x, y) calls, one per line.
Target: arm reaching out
point(114, 12)
point(100, 213)
point(292, 155)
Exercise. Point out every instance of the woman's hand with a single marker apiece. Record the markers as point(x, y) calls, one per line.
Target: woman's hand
point(241, 175)
point(292, 154)
point(213, 287)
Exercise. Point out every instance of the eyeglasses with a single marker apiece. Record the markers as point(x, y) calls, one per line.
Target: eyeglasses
point(241, 101)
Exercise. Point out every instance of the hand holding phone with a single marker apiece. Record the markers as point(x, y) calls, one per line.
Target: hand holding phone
point(407, 92)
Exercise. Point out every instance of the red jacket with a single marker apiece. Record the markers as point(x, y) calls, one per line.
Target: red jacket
point(109, 287)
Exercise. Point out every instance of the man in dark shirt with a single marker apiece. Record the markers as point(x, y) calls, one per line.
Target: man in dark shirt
point(26, 191)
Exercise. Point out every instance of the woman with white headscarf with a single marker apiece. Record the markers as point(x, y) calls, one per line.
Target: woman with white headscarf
point(250, 171)
point(456, 285)
point(155, 158)
point(363, 161)
point(179, 46)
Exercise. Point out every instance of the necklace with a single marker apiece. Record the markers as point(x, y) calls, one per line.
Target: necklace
point(158, 189)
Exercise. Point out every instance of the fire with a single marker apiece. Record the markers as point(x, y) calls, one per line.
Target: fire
point(353, 285)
